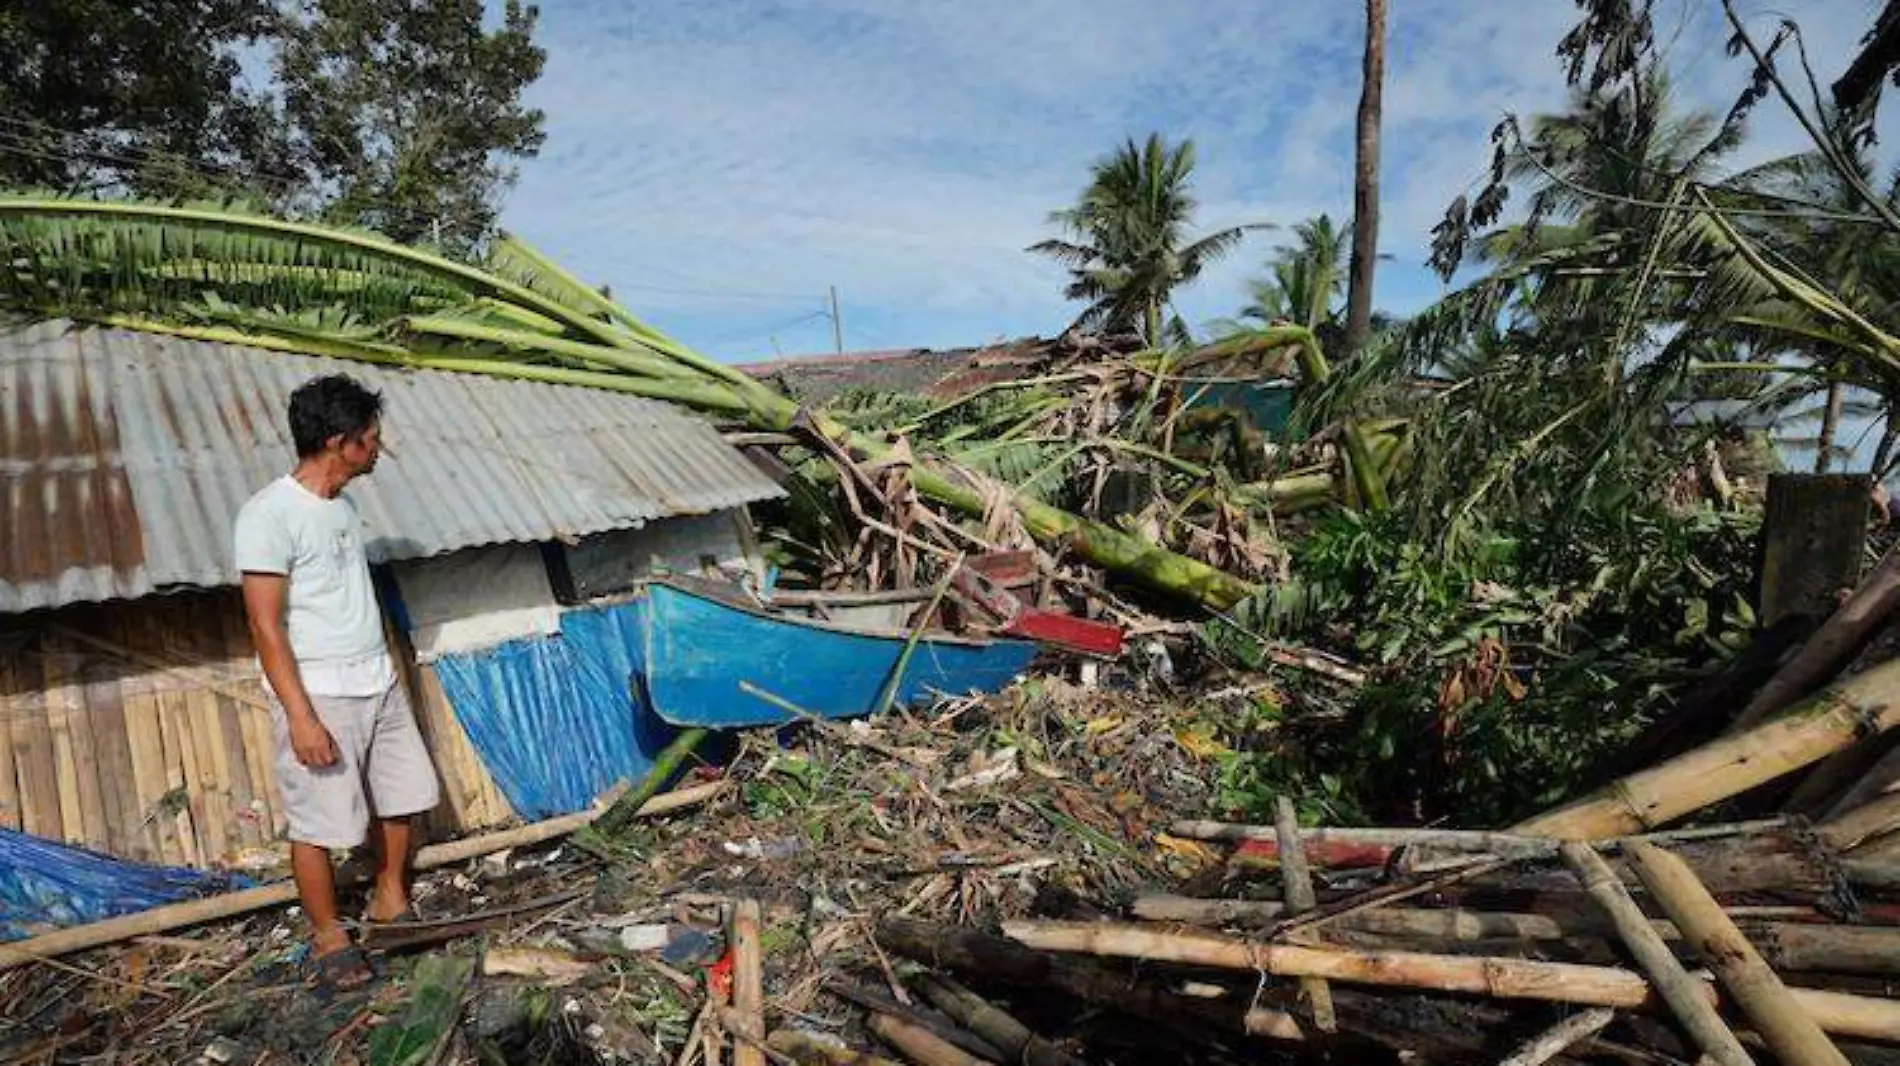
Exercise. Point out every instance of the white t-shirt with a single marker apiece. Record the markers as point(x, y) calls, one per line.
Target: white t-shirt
point(335, 627)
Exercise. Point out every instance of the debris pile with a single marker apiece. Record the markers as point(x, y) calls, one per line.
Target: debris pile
point(1030, 878)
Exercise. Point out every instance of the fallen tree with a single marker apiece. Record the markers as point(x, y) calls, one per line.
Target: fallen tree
point(217, 274)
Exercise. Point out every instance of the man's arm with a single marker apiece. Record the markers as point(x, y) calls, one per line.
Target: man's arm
point(264, 598)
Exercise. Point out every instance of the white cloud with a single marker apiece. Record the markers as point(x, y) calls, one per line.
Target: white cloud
point(721, 164)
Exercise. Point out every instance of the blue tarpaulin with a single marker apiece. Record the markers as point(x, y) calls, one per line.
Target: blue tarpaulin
point(45, 885)
point(557, 719)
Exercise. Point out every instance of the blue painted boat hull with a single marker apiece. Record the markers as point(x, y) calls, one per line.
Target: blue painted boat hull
point(699, 650)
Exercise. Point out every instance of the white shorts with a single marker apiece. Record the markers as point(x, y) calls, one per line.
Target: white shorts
point(382, 769)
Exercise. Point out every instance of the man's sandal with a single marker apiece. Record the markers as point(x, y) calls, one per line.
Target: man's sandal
point(341, 970)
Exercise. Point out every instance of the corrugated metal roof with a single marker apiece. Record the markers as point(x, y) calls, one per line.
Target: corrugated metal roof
point(125, 456)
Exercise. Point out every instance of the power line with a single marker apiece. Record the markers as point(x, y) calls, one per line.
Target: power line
point(721, 293)
point(768, 331)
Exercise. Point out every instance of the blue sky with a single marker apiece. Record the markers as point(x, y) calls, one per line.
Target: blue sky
point(721, 162)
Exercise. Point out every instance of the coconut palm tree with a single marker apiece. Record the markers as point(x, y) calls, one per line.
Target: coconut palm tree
point(1130, 245)
point(1304, 280)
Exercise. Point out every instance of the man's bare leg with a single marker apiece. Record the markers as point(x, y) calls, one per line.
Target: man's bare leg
point(316, 890)
point(390, 841)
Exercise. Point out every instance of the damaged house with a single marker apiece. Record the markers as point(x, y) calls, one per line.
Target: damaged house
point(132, 720)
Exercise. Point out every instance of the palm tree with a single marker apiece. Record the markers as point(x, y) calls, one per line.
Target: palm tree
point(1365, 196)
point(1130, 248)
point(1860, 268)
point(1305, 280)
point(1587, 165)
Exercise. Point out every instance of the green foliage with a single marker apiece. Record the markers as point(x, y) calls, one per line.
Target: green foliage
point(787, 786)
point(1499, 676)
point(405, 118)
point(435, 998)
point(144, 95)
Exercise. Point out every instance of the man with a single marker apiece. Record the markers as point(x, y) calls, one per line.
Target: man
point(348, 755)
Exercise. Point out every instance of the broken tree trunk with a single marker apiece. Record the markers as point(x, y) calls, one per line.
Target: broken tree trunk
point(1814, 528)
point(1685, 995)
point(1821, 725)
point(1499, 978)
point(1783, 1021)
point(1833, 645)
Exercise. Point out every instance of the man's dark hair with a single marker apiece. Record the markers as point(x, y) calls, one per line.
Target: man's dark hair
point(322, 408)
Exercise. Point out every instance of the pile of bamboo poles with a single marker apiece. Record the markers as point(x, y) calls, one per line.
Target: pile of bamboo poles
point(1588, 933)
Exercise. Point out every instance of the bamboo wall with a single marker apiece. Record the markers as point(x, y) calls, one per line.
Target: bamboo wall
point(139, 729)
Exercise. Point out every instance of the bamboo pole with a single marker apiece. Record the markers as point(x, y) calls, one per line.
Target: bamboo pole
point(1802, 946)
point(748, 981)
point(1832, 645)
point(667, 763)
point(1819, 726)
point(1503, 845)
point(1882, 777)
point(1805, 946)
point(1500, 978)
point(1560, 1038)
point(1855, 827)
point(1685, 995)
point(920, 1045)
point(993, 1024)
point(1790, 1030)
point(230, 904)
point(1297, 885)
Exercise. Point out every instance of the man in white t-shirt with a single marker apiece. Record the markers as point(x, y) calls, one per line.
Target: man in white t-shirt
point(348, 754)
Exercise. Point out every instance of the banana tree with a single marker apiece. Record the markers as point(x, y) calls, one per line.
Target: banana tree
point(216, 273)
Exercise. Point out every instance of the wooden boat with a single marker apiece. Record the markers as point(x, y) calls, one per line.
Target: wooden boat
point(711, 659)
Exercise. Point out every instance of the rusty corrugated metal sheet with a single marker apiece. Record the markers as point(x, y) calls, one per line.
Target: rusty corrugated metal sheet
point(125, 456)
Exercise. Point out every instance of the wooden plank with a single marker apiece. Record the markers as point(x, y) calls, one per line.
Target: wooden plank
point(1814, 529)
point(481, 803)
point(96, 808)
point(140, 700)
point(181, 767)
point(33, 751)
point(260, 750)
point(455, 813)
point(81, 797)
point(226, 740)
point(249, 822)
point(112, 751)
point(11, 706)
point(212, 795)
point(207, 739)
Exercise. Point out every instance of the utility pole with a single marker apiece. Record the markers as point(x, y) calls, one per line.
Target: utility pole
point(837, 324)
